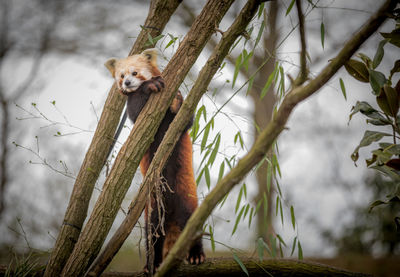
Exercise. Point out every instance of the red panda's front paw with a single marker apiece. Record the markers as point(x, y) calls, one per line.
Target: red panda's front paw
point(176, 103)
point(153, 85)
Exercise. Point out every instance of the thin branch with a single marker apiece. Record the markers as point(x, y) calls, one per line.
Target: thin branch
point(302, 76)
point(266, 139)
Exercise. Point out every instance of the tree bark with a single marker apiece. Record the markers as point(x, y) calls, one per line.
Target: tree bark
point(127, 161)
point(159, 14)
point(266, 139)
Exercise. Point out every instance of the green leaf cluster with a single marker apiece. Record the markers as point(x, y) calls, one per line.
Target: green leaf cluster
point(383, 114)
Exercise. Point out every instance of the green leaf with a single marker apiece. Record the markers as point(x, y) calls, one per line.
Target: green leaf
point(281, 240)
point(244, 269)
point(290, 7)
point(365, 59)
point(260, 249)
point(379, 54)
point(293, 217)
point(374, 204)
point(207, 176)
point(251, 216)
point(343, 88)
point(238, 64)
point(388, 100)
point(215, 150)
point(211, 238)
point(238, 220)
point(269, 81)
point(300, 250)
point(293, 246)
point(376, 80)
point(388, 172)
point(205, 137)
point(221, 170)
point(396, 68)
point(246, 210)
point(366, 109)
point(358, 70)
point(393, 37)
point(260, 10)
point(322, 34)
point(238, 200)
point(260, 32)
point(369, 137)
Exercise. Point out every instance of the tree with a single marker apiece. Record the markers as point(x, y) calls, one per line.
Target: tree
point(115, 187)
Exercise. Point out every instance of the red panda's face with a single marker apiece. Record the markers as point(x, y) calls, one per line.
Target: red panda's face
point(130, 76)
point(131, 72)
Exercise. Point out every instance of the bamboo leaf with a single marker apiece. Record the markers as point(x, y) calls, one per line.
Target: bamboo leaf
point(290, 7)
point(205, 137)
point(238, 220)
point(260, 32)
point(251, 216)
point(210, 229)
point(207, 176)
point(293, 246)
point(300, 250)
point(221, 170)
point(215, 150)
point(343, 88)
point(293, 217)
point(238, 200)
point(238, 64)
point(242, 266)
point(322, 35)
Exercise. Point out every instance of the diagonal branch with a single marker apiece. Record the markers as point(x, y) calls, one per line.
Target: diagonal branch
point(267, 137)
point(159, 13)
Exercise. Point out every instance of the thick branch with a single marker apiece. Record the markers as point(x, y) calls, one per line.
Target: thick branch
point(159, 14)
point(173, 134)
point(142, 134)
point(266, 139)
point(274, 267)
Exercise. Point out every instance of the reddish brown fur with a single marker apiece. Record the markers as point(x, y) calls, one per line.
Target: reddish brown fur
point(172, 233)
point(185, 182)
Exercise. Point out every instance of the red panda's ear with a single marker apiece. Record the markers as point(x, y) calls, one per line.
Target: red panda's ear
point(151, 56)
point(110, 64)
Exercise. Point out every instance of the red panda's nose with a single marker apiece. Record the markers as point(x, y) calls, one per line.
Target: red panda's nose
point(127, 83)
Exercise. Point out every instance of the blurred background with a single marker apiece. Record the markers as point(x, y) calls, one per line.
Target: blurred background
point(53, 86)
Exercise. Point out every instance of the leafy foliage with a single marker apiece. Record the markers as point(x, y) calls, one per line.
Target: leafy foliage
point(385, 158)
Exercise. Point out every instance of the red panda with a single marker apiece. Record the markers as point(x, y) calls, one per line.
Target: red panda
point(137, 77)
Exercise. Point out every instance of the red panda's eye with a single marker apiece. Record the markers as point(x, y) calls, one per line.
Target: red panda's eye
point(122, 75)
point(134, 73)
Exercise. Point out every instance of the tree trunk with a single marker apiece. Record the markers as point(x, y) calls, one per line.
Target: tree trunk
point(127, 161)
point(159, 14)
point(263, 109)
